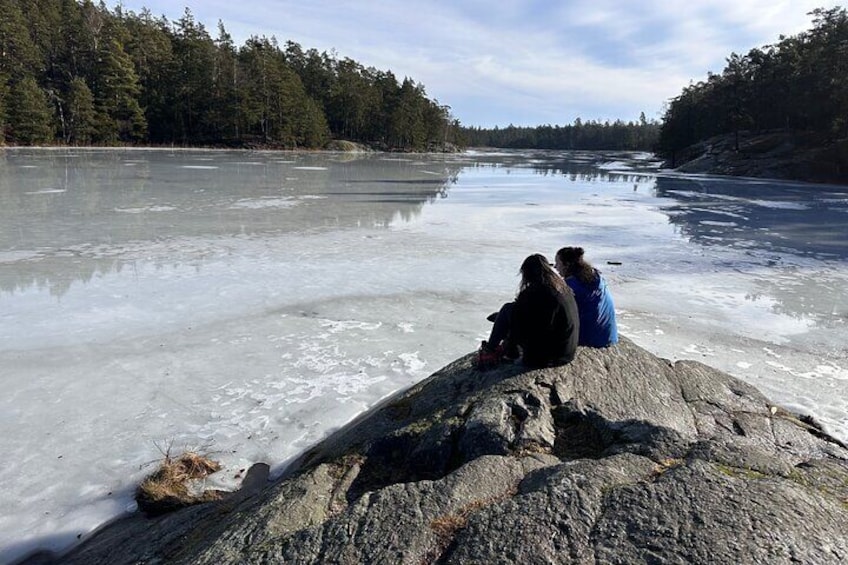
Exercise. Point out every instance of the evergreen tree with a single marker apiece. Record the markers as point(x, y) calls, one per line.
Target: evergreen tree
point(194, 58)
point(120, 117)
point(4, 93)
point(82, 117)
point(149, 46)
point(349, 100)
point(274, 102)
point(20, 58)
point(406, 126)
point(223, 114)
point(29, 114)
point(311, 126)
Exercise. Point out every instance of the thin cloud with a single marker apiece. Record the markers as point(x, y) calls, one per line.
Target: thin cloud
point(522, 62)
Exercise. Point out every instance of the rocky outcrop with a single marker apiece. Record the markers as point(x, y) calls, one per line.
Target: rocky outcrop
point(619, 457)
point(347, 146)
point(777, 154)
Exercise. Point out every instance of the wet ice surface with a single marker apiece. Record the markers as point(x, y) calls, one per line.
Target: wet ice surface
point(250, 303)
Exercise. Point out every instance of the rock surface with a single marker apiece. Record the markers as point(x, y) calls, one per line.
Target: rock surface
point(619, 457)
point(780, 155)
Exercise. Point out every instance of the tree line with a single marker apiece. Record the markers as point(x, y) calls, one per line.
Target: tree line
point(590, 135)
point(76, 73)
point(799, 84)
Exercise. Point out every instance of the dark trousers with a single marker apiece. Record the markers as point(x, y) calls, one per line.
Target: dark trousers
point(500, 329)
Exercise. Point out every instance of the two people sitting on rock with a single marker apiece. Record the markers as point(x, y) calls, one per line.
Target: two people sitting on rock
point(594, 301)
point(552, 313)
point(542, 321)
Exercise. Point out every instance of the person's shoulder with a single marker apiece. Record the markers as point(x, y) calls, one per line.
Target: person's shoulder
point(539, 292)
point(575, 285)
point(532, 290)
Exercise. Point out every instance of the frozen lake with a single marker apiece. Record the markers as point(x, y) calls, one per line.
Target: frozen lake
point(248, 303)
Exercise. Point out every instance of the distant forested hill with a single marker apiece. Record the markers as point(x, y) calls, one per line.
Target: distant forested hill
point(591, 135)
point(77, 73)
point(797, 88)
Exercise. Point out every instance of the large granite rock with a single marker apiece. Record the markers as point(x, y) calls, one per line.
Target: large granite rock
point(619, 457)
point(775, 154)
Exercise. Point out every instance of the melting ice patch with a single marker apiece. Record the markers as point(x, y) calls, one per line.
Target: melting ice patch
point(614, 165)
point(13, 256)
point(826, 370)
point(718, 224)
point(770, 352)
point(831, 370)
point(256, 204)
point(718, 212)
point(694, 349)
point(411, 362)
point(47, 191)
point(777, 205)
point(336, 326)
point(144, 209)
point(774, 204)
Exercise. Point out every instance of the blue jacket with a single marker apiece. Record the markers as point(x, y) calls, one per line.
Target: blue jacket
point(596, 311)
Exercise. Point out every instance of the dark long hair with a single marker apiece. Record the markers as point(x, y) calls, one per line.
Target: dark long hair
point(576, 266)
point(536, 270)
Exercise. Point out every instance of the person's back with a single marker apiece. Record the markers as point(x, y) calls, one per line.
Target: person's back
point(598, 327)
point(545, 324)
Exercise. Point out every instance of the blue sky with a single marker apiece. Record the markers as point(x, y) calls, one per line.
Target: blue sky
point(530, 62)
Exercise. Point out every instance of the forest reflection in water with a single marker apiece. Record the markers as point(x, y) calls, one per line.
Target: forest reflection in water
point(797, 218)
point(69, 215)
point(73, 215)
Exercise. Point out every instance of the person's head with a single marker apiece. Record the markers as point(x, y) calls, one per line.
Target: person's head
point(536, 269)
point(570, 263)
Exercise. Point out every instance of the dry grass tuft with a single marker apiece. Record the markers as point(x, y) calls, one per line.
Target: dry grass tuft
point(445, 527)
point(167, 488)
point(664, 465)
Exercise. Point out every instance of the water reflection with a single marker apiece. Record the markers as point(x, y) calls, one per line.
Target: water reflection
point(800, 219)
point(66, 215)
point(578, 166)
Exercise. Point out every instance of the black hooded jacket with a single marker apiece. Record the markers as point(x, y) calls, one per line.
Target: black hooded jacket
point(546, 324)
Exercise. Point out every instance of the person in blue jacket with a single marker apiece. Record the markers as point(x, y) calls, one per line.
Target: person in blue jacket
point(594, 301)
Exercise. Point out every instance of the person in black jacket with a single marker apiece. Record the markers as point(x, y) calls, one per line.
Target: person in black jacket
point(543, 322)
